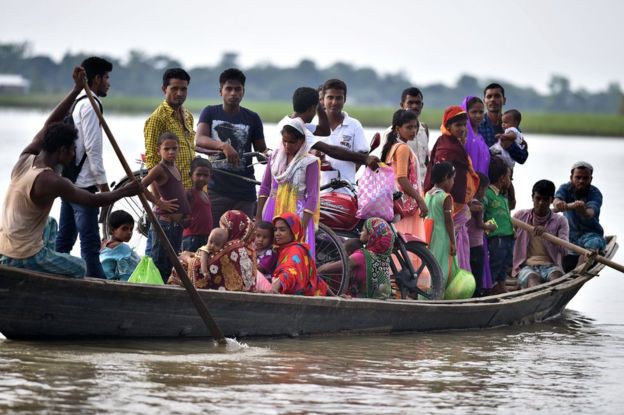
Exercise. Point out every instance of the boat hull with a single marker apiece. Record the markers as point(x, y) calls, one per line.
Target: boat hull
point(42, 306)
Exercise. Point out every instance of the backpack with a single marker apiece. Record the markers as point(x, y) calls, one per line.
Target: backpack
point(72, 170)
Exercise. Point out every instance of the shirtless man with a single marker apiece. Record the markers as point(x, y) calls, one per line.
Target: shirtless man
point(27, 235)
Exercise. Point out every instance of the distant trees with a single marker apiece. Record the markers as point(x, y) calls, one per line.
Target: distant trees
point(141, 75)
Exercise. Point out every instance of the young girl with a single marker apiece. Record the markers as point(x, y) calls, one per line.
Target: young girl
point(172, 208)
point(398, 154)
point(440, 204)
point(476, 235)
point(265, 255)
point(476, 147)
point(196, 234)
point(296, 270)
point(291, 182)
point(117, 258)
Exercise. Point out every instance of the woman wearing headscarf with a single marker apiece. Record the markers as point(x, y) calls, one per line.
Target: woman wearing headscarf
point(233, 268)
point(296, 270)
point(291, 181)
point(370, 265)
point(450, 147)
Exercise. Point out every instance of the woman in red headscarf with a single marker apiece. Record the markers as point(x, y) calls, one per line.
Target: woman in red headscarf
point(233, 268)
point(296, 271)
point(450, 147)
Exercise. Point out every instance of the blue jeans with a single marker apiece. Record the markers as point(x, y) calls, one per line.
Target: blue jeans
point(81, 220)
point(173, 232)
point(501, 256)
point(192, 243)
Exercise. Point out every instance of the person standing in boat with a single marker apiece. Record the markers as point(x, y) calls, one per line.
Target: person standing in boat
point(536, 260)
point(27, 234)
point(232, 129)
point(492, 124)
point(580, 202)
point(346, 132)
point(412, 100)
point(81, 220)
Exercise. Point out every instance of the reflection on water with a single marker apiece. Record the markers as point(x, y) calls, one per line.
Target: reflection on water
point(572, 364)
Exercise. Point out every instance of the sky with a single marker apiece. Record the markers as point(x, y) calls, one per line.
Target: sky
point(525, 42)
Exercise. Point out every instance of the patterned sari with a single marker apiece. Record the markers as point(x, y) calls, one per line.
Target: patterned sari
point(377, 256)
point(233, 268)
point(296, 269)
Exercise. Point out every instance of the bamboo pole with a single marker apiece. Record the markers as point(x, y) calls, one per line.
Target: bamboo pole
point(575, 248)
point(188, 285)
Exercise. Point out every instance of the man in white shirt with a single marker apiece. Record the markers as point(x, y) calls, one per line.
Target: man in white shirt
point(346, 132)
point(81, 219)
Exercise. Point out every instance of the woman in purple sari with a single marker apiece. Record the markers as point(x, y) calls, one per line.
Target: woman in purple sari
point(479, 153)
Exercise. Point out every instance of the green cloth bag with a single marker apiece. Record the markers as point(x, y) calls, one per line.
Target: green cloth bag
point(462, 285)
point(146, 273)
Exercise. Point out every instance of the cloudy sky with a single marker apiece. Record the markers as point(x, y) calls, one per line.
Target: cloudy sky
point(430, 41)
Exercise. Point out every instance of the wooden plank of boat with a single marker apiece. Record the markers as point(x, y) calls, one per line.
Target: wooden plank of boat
point(43, 306)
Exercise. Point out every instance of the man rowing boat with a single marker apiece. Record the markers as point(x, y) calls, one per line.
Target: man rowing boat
point(27, 235)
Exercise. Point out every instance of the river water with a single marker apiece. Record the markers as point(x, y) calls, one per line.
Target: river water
point(574, 364)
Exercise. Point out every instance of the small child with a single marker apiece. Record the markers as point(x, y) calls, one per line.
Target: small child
point(117, 258)
point(172, 209)
point(216, 240)
point(265, 255)
point(500, 240)
point(511, 123)
point(476, 228)
point(440, 204)
point(195, 235)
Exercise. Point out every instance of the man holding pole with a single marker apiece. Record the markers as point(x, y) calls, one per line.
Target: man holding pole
point(27, 234)
point(536, 260)
point(77, 219)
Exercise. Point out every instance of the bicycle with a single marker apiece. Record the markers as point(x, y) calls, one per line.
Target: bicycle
point(414, 268)
point(328, 244)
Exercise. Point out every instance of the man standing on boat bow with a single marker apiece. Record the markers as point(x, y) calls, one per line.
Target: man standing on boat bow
point(27, 234)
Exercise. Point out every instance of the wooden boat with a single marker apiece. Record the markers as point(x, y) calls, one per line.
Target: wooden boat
point(43, 306)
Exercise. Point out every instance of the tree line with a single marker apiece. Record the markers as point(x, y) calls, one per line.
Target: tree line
point(141, 74)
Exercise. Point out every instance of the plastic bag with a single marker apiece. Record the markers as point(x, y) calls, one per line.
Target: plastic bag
point(462, 285)
point(375, 190)
point(146, 273)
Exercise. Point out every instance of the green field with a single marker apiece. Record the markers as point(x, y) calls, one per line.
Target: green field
point(607, 125)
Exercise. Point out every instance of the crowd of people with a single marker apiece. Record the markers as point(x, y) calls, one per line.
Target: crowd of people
point(458, 196)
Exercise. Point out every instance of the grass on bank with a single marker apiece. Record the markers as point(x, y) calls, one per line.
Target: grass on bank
point(588, 124)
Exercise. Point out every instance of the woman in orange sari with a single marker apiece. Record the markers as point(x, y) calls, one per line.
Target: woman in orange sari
point(450, 147)
point(296, 270)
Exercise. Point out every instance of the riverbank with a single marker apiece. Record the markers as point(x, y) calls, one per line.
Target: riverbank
point(588, 124)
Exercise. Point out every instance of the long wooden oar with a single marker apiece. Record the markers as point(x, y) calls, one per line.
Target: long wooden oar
point(190, 288)
point(570, 246)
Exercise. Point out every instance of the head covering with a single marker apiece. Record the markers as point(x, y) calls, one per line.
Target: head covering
point(294, 223)
point(238, 225)
point(297, 123)
point(476, 146)
point(450, 113)
point(583, 165)
point(377, 256)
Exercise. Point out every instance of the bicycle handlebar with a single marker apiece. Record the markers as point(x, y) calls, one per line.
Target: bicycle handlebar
point(338, 184)
point(257, 154)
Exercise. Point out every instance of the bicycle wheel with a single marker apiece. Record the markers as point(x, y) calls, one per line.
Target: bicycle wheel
point(428, 272)
point(133, 206)
point(329, 249)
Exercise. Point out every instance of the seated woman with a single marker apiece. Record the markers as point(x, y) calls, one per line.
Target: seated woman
point(296, 270)
point(233, 267)
point(369, 266)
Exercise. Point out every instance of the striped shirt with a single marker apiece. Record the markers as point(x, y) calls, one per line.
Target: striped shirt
point(165, 119)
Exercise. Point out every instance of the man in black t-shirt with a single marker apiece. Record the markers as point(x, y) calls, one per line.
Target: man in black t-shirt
point(232, 129)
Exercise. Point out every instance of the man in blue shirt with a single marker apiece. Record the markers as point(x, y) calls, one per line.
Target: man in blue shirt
point(580, 203)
